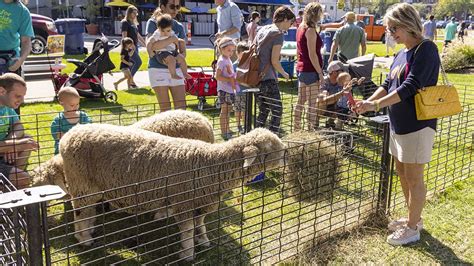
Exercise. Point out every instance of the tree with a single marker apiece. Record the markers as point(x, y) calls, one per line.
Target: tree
point(92, 10)
point(421, 8)
point(381, 6)
point(452, 7)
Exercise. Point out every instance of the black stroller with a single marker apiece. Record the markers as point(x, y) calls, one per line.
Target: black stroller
point(87, 78)
point(359, 67)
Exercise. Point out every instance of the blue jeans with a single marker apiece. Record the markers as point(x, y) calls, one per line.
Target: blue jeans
point(137, 62)
point(269, 100)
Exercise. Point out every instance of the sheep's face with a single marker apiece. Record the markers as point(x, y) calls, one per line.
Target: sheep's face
point(264, 151)
point(50, 173)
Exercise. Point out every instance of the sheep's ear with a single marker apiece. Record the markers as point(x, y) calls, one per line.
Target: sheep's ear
point(250, 154)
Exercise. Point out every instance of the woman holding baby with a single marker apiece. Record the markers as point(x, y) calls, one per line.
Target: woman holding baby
point(160, 77)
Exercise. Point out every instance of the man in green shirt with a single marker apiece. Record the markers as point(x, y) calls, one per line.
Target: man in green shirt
point(15, 145)
point(450, 32)
point(348, 39)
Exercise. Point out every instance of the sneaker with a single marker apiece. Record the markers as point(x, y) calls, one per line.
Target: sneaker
point(403, 236)
point(397, 224)
point(226, 136)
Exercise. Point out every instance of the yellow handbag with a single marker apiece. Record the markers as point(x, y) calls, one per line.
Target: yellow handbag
point(437, 101)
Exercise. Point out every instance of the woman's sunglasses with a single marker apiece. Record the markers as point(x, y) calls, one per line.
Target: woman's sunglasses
point(392, 30)
point(174, 7)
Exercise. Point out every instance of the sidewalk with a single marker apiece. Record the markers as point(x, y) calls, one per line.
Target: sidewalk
point(197, 42)
point(43, 90)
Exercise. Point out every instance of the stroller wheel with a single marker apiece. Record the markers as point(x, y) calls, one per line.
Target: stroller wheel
point(111, 97)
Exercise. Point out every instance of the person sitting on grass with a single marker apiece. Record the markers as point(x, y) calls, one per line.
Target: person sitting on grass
point(239, 104)
point(126, 63)
point(15, 145)
point(69, 99)
point(338, 101)
point(169, 55)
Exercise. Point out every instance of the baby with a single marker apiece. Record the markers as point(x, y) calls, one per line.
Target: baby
point(69, 99)
point(169, 55)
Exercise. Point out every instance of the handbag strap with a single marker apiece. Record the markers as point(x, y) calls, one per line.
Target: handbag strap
point(443, 73)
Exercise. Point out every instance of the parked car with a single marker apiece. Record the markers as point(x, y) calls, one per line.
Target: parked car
point(43, 27)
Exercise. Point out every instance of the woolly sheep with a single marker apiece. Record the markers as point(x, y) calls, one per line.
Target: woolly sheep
point(181, 176)
point(176, 123)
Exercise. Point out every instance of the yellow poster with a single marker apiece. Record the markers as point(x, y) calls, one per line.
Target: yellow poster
point(55, 44)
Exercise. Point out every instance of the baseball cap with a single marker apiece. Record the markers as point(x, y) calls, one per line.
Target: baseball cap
point(335, 66)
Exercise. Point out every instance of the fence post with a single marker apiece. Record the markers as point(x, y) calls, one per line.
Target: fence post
point(385, 165)
point(31, 199)
point(33, 229)
point(249, 95)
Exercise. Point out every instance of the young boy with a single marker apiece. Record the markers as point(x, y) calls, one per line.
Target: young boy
point(69, 99)
point(169, 55)
point(239, 104)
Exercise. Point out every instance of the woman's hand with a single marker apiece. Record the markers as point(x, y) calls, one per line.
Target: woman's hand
point(364, 106)
point(321, 79)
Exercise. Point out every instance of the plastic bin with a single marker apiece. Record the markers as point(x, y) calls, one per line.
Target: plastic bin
point(73, 29)
point(289, 67)
point(70, 25)
point(290, 36)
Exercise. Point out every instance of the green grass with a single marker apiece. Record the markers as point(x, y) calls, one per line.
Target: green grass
point(267, 217)
point(379, 49)
point(194, 58)
point(447, 237)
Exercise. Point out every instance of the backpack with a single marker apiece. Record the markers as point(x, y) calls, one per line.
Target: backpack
point(248, 69)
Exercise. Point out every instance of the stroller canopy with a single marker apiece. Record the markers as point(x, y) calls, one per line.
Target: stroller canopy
point(361, 66)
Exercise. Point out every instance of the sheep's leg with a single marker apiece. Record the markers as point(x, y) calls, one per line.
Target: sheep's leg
point(201, 233)
point(84, 220)
point(187, 238)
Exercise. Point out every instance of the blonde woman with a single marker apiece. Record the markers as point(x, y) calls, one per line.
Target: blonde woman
point(411, 140)
point(130, 29)
point(309, 65)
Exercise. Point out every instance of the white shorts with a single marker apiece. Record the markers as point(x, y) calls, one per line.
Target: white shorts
point(415, 147)
point(161, 77)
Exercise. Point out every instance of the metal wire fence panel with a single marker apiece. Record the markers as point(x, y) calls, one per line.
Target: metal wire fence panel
point(262, 221)
point(13, 244)
point(451, 159)
point(328, 178)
